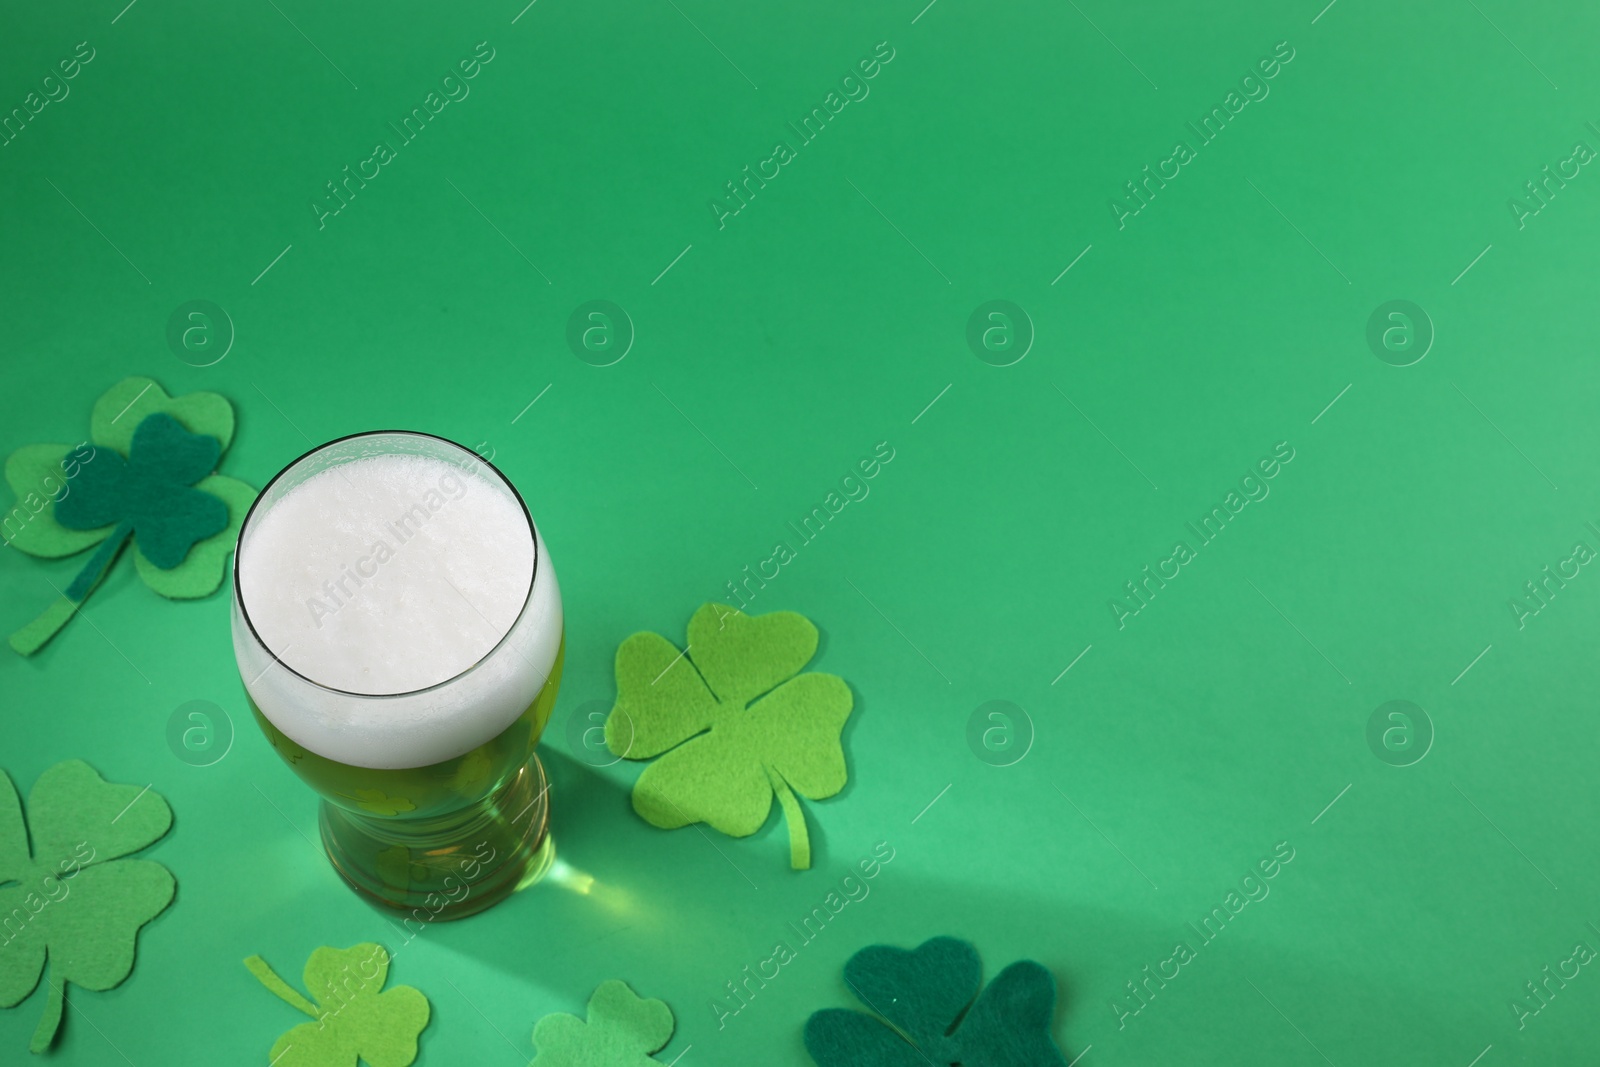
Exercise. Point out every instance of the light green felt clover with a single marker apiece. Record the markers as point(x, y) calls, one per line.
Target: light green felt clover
point(622, 1030)
point(355, 1019)
point(146, 475)
point(740, 722)
point(72, 901)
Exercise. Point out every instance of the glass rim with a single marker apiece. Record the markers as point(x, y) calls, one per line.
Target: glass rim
point(238, 554)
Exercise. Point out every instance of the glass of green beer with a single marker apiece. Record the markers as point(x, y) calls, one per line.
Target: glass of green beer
point(398, 629)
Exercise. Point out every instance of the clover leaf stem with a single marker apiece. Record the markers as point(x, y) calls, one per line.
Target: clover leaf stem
point(90, 575)
point(799, 839)
point(45, 1032)
point(279, 988)
point(32, 637)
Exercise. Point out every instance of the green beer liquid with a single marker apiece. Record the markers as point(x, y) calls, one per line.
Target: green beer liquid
point(443, 840)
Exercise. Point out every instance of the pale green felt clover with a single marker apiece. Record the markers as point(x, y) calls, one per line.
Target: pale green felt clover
point(622, 1030)
point(355, 1019)
point(146, 474)
point(741, 723)
point(72, 901)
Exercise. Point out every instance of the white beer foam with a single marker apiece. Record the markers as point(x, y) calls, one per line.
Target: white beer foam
point(395, 574)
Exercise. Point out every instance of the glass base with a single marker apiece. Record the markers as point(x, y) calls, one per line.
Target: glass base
point(447, 866)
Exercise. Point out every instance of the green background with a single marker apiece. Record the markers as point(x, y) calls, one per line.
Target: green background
point(778, 351)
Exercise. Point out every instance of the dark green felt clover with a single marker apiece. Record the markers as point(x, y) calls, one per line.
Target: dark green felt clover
point(920, 996)
point(622, 1030)
point(740, 721)
point(354, 1019)
point(147, 496)
point(147, 479)
point(71, 900)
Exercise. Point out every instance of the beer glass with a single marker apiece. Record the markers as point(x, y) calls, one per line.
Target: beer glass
point(433, 801)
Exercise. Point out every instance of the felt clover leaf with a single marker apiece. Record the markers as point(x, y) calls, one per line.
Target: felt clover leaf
point(921, 996)
point(740, 722)
point(147, 477)
point(623, 1029)
point(72, 901)
point(355, 1021)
